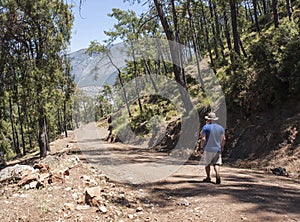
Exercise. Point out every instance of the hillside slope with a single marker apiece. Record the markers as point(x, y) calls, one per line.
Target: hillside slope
point(270, 140)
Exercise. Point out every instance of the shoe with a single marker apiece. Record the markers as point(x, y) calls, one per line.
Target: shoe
point(207, 180)
point(218, 180)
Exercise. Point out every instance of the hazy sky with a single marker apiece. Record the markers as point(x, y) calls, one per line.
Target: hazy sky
point(93, 20)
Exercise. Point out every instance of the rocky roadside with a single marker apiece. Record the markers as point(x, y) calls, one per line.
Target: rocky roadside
point(64, 189)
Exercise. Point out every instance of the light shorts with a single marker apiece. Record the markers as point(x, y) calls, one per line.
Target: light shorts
point(212, 158)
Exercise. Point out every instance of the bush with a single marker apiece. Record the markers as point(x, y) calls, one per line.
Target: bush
point(275, 58)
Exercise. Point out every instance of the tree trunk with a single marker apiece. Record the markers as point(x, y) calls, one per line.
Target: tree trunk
point(200, 44)
point(47, 135)
point(122, 85)
point(250, 13)
point(275, 13)
point(227, 32)
point(259, 9)
point(255, 15)
point(42, 127)
point(28, 126)
point(42, 136)
point(197, 54)
point(215, 46)
point(264, 7)
point(14, 131)
point(243, 49)
point(178, 40)
point(206, 35)
point(175, 50)
point(218, 29)
point(65, 119)
point(161, 58)
point(235, 33)
point(59, 121)
point(137, 90)
point(21, 130)
point(148, 68)
point(173, 45)
point(289, 9)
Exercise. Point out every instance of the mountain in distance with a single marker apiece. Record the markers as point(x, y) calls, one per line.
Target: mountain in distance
point(91, 72)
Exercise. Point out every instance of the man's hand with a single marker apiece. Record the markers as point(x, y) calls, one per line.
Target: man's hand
point(201, 151)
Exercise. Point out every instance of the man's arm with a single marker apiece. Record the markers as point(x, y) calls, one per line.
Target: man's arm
point(223, 140)
point(203, 140)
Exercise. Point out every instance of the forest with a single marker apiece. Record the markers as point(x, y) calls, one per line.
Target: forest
point(252, 46)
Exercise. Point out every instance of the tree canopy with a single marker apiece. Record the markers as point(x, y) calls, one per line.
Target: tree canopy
point(36, 85)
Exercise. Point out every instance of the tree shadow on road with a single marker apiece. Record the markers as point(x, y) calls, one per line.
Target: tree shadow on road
point(263, 192)
point(279, 198)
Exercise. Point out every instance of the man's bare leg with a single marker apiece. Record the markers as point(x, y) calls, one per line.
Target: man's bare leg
point(207, 170)
point(207, 179)
point(217, 170)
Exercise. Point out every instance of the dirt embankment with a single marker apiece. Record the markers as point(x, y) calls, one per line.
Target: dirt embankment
point(267, 140)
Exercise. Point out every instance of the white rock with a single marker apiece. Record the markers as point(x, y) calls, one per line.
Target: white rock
point(85, 178)
point(130, 216)
point(69, 206)
point(103, 209)
point(139, 209)
point(75, 196)
point(14, 171)
point(82, 207)
point(33, 184)
point(68, 189)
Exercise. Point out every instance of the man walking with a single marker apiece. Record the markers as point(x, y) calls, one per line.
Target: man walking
point(212, 142)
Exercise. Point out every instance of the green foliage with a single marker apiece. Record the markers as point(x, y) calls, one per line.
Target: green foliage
point(104, 102)
point(269, 75)
point(262, 74)
point(156, 110)
point(119, 122)
point(275, 57)
point(289, 68)
point(35, 74)
point(4, 136)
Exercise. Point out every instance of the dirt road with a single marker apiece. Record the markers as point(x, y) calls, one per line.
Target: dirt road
point(173, 191)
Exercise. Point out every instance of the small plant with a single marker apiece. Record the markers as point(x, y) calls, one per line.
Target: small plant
point(45, 209)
